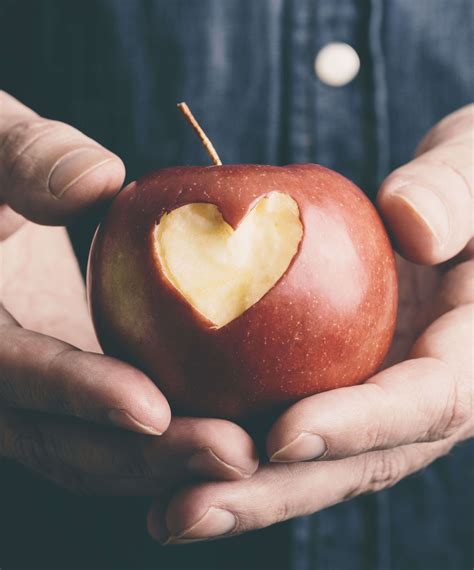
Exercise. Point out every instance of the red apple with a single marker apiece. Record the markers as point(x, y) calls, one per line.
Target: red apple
point(240, 289)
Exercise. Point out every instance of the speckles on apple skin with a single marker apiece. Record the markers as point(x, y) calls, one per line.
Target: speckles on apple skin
point(327, 323)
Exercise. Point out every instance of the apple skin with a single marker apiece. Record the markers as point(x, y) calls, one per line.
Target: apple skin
point(327, 323)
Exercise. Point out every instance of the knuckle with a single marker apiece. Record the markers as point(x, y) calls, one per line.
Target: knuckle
point(29, 448)
point(135, 463)
point(274, 509)
point(456, 413)
point(43, 456)
point(264, 511)
point(14, 146)
point(9, 427)
point(61, 396)
point(379, 425)
point(68, 477)
point(373, 435)
point(259, 517)
point(380, 470)
point(22, 135)
point(24, 442)
point(73, 480)
point(386, 470)
point(17, 157)
point(458, 416)
point(465, 177)
point(283, 512)
point(450, 163)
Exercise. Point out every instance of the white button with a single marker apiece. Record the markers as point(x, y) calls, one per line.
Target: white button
point(337, 64)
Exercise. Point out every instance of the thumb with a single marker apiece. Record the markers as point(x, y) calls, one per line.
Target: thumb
point(49, 171)
point(427, 204)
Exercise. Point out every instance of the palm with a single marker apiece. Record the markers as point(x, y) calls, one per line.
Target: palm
point(418, 291)
point(42, 287)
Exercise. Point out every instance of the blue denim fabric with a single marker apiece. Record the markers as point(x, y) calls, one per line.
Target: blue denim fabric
point(115, 69)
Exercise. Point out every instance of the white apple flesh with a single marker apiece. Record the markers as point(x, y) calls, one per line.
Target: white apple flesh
point(220, 271)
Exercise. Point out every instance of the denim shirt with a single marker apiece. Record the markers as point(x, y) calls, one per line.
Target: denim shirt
point(116, 69)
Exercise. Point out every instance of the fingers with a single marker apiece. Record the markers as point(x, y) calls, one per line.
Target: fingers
point(428, 203)
point(409, 402)
point(220, 448)
point(49, 171)
point(90, 459)
point(423, 399)
point(280, 492)
point(41, 373)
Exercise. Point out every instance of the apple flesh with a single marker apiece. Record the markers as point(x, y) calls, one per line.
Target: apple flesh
point(240, 289)
point(221, 271)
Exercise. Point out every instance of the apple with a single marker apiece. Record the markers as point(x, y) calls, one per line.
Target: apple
point(242, 288)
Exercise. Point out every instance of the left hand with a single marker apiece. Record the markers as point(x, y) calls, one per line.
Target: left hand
point(403, 418)
point(53, 396)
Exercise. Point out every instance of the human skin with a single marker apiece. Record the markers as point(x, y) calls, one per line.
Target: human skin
point(396, 423)
point(338, 444)
point(51, 173)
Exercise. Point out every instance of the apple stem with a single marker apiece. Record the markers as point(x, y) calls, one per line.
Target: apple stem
point(211, 151)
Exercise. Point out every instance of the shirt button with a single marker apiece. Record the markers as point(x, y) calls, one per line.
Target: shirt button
point(337, 64)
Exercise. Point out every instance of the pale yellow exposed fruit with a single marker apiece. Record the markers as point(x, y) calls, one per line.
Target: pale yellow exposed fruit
point(222, 272)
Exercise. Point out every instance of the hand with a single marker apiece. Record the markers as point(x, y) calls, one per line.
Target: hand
point(63, 411)
point(370, 436)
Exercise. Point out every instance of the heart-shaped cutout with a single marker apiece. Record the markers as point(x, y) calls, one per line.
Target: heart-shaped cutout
point(220, 271)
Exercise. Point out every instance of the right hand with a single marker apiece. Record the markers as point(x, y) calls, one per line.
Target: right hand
point(69, 414)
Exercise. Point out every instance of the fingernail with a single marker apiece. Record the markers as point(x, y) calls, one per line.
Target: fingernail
point(303, 448)
point(207, 464)
point(428, 207)
point(73, 166)
point(124, 419)
point(216, 522)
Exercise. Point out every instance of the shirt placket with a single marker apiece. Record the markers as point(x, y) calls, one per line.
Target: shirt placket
point(345, 128)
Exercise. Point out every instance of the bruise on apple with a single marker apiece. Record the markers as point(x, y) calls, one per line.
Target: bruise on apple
point(221, 271)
